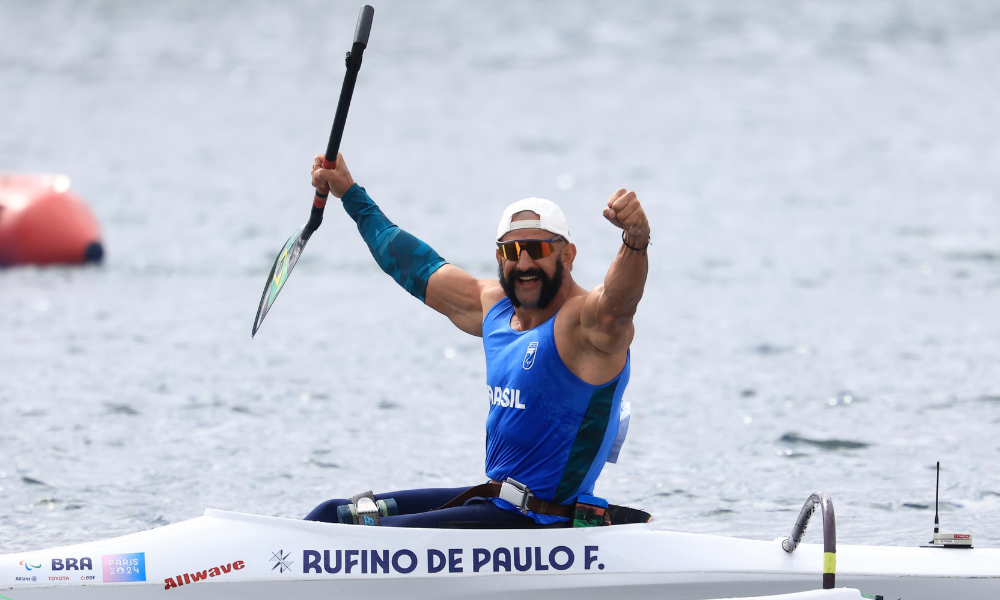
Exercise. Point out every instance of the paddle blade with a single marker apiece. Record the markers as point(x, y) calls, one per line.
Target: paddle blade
point(282, 268)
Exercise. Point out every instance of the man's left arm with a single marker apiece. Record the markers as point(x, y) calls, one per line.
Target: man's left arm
point(606, 317)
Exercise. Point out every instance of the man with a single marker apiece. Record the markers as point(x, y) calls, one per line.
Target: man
point(557, 355)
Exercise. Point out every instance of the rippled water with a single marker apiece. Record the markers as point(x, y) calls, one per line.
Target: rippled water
point(821, 311)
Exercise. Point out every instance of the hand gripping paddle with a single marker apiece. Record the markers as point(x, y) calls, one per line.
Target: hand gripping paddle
point(290, 253)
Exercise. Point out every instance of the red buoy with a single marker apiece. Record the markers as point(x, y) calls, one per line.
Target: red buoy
point(43, 223)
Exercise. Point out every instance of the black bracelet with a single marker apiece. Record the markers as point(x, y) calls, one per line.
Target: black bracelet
point(648, 242)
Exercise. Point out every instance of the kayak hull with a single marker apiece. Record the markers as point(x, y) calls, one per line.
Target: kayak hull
point(497, 588)
point(491, 587)
point(232, 555)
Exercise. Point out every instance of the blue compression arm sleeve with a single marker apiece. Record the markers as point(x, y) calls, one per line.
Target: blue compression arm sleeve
point(403, 257)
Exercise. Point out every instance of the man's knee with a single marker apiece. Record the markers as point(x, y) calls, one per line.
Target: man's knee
point(327, 511)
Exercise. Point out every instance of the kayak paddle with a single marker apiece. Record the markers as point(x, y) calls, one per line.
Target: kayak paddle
point(290, 253)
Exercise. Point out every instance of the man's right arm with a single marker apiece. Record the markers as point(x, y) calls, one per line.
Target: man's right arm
point(410, 262)
point(462, 298)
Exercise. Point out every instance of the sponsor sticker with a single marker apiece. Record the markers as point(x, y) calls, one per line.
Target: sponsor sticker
point(72, 564)
point(119, 568)
point(27, 564)
point(281, 562)
point(189, 578)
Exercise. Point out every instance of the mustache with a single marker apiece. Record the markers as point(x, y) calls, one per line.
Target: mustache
point(550, 285)
point(536, 272)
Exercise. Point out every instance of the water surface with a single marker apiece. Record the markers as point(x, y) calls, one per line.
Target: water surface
point(821, 310)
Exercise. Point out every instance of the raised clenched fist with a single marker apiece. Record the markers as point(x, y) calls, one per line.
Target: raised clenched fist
point(625, 212)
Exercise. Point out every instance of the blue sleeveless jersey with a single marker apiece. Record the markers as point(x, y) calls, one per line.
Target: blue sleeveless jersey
point(546, 428)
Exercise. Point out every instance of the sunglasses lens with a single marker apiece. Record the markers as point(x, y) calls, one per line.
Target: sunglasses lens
point(536, 249)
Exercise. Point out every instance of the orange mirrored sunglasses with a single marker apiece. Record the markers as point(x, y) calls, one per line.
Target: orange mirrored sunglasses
point(536, 249)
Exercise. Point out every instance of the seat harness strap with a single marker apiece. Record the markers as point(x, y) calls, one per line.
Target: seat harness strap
point(515, 493)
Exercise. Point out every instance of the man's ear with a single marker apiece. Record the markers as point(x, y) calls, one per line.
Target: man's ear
point(568, 256)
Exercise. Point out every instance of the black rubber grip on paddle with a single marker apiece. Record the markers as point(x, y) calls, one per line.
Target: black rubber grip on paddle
point(315, 220)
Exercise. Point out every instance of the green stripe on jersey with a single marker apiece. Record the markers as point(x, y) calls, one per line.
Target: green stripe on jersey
point(589, 438)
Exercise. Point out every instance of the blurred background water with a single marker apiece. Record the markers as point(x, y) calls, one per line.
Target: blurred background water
point(821, 312)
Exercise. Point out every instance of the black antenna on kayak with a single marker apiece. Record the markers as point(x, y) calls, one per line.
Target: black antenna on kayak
point(937, 487)
point(945, 540)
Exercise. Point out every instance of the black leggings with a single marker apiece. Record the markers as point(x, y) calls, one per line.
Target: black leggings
point(416, 509)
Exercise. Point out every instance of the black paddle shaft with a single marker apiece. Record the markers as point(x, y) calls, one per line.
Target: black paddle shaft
point(361, 33)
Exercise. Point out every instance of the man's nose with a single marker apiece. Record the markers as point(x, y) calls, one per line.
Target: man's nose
point(524, 262)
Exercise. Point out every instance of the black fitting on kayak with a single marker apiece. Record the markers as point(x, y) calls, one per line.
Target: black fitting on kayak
point(829, 534)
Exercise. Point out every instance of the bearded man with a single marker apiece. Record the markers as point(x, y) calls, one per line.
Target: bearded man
point(557, 357)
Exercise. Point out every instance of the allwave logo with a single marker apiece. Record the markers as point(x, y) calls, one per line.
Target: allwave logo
point(529, 356)
point(505, 397)
point(189, 578)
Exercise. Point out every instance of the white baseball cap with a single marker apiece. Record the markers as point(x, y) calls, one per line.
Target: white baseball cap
point(550, 217)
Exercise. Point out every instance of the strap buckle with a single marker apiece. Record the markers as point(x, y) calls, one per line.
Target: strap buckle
point(368, 513)
point(516, 493)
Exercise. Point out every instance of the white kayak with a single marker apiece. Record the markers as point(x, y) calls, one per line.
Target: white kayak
point(234, 555)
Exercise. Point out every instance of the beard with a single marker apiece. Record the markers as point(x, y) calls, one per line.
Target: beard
point(550, 285)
